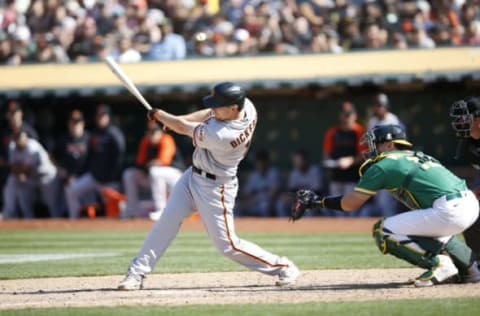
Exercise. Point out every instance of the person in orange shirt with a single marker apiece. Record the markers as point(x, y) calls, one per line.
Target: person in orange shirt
point(153, 170)
point(342, 151)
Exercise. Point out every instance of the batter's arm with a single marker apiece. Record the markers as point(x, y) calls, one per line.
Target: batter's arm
point(198, 116)
point(175, 123)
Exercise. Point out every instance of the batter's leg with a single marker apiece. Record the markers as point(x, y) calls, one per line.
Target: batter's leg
point(165, 229)
point(215, 203)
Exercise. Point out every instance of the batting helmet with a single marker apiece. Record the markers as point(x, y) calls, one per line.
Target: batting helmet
point(224, 94)
point(462, 113)
point(384, 133)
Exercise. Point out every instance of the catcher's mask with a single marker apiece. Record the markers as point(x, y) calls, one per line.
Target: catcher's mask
point(462, 113)
point(383, 133)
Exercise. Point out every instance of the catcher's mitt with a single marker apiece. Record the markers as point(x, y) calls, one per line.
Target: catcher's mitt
point(304, 200)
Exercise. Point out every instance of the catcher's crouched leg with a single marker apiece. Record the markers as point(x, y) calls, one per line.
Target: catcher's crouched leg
point(402, 248)
point(472, 238)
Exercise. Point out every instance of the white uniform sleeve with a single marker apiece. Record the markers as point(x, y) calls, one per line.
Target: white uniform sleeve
point(205, 137)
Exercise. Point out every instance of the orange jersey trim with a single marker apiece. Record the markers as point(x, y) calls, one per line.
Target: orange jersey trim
point(232, 244)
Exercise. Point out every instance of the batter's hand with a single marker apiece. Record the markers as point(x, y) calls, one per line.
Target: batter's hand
point(151, 115)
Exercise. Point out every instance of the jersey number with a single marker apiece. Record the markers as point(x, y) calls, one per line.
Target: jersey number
point(425, 162)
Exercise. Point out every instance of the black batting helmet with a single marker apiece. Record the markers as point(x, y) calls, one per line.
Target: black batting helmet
point(384, 133)
point(224, 94)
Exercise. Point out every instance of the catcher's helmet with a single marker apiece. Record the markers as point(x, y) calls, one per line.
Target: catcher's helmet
point(224, 94)
point(462, 113)
point(384, 133)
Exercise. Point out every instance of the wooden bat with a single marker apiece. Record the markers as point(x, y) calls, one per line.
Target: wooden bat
point(127, 83)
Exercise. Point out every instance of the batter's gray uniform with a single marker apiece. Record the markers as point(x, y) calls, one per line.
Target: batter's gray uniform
point(43, 176)
point(210, 186)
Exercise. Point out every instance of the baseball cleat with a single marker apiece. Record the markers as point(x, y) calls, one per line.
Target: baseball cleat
point(472, 275)
point(442, 273)
point(131, 282)
point(288, 275)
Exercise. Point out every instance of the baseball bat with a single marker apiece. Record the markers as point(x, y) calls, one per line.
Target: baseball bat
point(127, 83)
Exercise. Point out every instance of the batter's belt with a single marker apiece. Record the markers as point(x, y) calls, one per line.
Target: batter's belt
point(208, 175)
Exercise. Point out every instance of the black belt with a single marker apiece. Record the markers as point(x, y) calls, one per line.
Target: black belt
point(204, 173)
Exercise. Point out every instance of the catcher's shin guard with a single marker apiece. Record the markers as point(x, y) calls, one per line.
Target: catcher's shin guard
point(461, 254)
point(404, 248)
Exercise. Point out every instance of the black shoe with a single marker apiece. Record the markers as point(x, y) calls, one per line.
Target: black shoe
point(472, 275)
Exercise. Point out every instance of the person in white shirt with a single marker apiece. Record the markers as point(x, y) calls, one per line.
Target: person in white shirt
point(384, 203)
point(381, 112)
point(30, 169)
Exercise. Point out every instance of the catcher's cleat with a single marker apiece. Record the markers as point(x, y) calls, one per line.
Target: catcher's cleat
point(288, 275)
point(131, 282)
point(444, 272)
point(472, 275)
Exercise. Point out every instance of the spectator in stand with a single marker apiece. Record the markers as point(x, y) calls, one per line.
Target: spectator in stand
point(419, 38)
point(170, 46)
point(106, 151)
point(126, 53)
point(262, 188)
point(30, 170)
point(85, 42)
point(343, 152)
point(154, 169)
point(71, 151)
point(472, 34)
point(88, 30)
point(374, 36)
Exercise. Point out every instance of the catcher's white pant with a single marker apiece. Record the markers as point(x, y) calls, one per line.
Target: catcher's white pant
point(443, 220)
point(214, 199)
point(160, 180)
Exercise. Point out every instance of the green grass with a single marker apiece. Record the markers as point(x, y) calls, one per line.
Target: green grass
point(192, 252)
point(309, 251)
point(464, 307)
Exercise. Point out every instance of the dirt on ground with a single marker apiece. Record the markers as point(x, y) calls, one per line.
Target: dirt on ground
point(221, 287)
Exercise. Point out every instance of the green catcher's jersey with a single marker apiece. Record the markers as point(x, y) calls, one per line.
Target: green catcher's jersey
point(413, 178)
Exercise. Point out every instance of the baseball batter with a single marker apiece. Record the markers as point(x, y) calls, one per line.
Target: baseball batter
point(221, 135)
point(441, 204)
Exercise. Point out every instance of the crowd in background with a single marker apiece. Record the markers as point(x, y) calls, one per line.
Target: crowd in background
point(83, 170)
point(62, 31)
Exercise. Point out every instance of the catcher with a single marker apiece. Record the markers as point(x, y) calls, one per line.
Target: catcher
point(441, 207)
point(465, 116)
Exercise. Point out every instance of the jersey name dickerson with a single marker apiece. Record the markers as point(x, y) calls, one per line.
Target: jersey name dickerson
point(245, 135)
